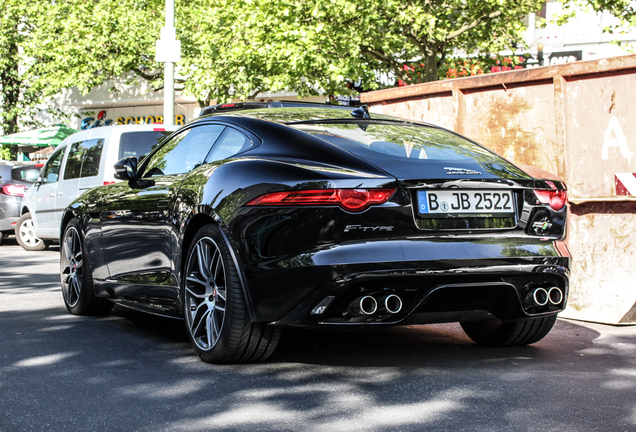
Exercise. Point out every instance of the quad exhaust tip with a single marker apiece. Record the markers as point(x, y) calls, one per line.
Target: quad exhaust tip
point(555, 295)
point(365, 305)
point(540, 296)
point(391, 304)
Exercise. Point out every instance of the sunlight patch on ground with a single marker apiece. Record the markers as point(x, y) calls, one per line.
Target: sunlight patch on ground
point(163, 391)
point(339, 410)
point(43, 360)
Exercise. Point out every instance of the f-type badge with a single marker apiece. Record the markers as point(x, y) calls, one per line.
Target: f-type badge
point(460, 171)
point(368, 228)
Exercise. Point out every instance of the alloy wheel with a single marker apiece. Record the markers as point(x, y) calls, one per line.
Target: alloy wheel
point(71, 274)
point(205, 293)
point(27, 233)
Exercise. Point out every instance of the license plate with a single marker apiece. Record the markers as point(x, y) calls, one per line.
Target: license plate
point(465, 203)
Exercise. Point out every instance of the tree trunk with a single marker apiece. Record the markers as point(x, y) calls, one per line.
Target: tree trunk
point(430, 62)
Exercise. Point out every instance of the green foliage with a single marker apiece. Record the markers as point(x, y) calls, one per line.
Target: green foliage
point(237, 48)
point(5, 153)
point(17, 99)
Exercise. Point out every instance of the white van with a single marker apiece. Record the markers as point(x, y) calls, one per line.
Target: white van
point(82, 161)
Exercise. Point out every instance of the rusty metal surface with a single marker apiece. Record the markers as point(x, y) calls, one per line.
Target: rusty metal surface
point(603, 271)
point(503, 78)
point(517, 123)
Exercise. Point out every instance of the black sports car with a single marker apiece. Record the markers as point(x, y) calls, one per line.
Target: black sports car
point(255, 217)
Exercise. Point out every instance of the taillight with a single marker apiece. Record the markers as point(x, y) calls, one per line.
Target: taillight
point(348, 199)
point(13, 190)
point(106, 183)
point(555, 198)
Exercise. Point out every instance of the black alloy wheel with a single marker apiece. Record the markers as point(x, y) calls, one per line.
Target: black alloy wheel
point(494, 332)
point(216, 316)
point(76, 276)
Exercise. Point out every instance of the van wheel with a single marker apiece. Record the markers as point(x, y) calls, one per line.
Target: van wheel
point(25, 234)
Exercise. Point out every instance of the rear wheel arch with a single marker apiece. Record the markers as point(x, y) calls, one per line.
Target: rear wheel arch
point(67, 217)
point(196, 223)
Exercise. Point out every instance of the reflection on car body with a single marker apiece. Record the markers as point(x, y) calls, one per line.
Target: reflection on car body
point(247, 221)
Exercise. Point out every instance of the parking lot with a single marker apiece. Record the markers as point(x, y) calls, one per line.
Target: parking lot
point(129, 371)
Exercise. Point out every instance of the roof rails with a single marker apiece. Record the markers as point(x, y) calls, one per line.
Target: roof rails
point(274, 104)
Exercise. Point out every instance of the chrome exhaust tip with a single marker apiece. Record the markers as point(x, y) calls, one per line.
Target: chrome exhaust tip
point(540, 297)
point(555, 295)
point(365, 305)
point(391, 303)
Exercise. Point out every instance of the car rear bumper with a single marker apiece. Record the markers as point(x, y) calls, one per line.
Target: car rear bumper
point(435, 281)
point(9, 212)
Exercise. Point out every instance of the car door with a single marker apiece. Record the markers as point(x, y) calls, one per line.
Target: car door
point(80, 173)
point(45, 214)
point(137, 219)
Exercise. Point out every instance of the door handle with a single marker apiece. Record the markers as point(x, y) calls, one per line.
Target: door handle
point(60, 194)
point(52, 195)
point(162, 203)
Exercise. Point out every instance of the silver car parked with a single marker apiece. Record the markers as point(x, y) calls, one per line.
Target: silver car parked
point(15, 179)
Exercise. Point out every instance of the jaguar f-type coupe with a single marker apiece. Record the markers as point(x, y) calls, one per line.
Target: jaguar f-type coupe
point(255, 217)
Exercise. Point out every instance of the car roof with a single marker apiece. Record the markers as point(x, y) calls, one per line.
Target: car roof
point(240, 106)
point(308, 114)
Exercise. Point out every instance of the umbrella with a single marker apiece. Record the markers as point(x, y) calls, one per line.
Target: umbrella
point(49, 136)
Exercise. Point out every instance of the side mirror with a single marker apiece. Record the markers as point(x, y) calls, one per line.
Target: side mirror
point(126, 169)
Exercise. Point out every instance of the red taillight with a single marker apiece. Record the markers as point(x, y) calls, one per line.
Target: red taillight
point(555, 198)
point(348, 199)
point(106, 183)
point(13, 190)
point(159, 129)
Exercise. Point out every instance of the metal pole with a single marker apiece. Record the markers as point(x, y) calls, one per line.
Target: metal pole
point(168, 85)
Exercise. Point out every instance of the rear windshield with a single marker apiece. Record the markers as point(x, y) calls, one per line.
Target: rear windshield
point(399, 141)
point(139, 143)
point(25, 173)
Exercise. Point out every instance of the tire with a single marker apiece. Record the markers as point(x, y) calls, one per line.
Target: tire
point(25, 234)
point(215, 310)
point(496, 333)
point(76, 276)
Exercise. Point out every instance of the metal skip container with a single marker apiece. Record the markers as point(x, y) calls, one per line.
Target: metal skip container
point(576, 120)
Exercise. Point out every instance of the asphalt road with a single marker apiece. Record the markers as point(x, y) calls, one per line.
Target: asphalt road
point(132, 372)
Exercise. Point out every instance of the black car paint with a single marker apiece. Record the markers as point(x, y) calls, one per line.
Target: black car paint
point(136, 237)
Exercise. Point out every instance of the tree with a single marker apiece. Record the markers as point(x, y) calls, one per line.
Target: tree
point(309, 46)
point(17, 19)
point(238, 48)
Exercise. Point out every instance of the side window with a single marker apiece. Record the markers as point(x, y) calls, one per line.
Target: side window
point(183, 152)
point(51, 170)
point(83, 159)
point(231, 143)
